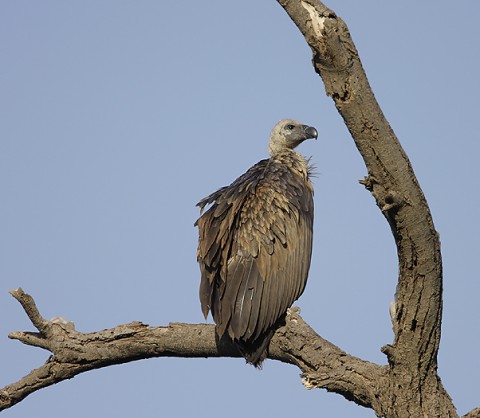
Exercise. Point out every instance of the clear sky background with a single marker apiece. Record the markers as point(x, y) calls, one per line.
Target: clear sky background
point(116, 117)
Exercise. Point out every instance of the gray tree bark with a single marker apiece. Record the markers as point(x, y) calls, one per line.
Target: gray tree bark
point(409, 385)
point(413, 386)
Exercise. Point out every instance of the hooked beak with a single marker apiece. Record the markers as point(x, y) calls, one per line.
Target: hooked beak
point(310, 132)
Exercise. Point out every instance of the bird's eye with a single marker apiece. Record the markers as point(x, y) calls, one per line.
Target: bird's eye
point(290, 127)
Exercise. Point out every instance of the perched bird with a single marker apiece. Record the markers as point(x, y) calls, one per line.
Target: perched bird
point(255, 244)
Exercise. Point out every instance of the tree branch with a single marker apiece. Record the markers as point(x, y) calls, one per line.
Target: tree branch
point(323, 364)
point(475, 413)
point(417, 309)
point(391, 180)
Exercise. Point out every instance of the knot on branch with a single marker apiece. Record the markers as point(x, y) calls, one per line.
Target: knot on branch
point(389, 201)
point(392, 202)
point(389, 351)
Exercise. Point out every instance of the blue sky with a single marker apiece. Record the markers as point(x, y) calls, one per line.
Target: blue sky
point(118, 116)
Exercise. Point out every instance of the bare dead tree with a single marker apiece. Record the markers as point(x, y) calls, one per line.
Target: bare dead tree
point(409, 385)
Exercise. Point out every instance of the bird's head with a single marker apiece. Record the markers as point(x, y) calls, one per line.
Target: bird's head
point(289, 133)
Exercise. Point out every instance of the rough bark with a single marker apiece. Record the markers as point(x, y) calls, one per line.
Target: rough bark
point(475, 413)
point(323, 364)
point(414, 388)
point(409, 386)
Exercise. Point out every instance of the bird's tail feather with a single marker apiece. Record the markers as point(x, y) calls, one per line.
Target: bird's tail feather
point(256, 351)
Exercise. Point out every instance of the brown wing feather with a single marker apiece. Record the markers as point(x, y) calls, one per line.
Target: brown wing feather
point(255, 244)
point(217, 236)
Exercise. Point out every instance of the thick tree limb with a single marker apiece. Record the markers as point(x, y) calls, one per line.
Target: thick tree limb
point(324, 365)
point(417, 309)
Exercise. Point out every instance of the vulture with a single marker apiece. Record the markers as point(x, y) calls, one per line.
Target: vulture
point(255, 244)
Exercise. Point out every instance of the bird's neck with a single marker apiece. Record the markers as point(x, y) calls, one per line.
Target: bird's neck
point(292, 159)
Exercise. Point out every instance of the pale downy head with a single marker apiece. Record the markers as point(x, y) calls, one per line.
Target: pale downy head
point(289, 133)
